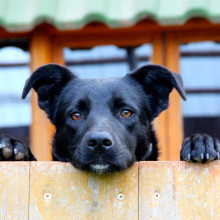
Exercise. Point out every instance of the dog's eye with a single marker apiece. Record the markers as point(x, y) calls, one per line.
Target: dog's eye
point(126, 113)
point(76, 116)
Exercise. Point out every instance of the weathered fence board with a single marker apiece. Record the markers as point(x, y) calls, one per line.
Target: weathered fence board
point(73, 194)
point(148, 190)
point(14, 190)
point(179, 190)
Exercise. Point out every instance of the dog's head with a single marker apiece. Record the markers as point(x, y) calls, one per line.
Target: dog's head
point(103, 125)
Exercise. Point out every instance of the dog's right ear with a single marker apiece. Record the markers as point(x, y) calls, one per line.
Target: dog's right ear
point(157, 82)
point(48, 81)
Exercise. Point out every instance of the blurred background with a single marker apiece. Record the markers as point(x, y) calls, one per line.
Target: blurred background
point(99, 39)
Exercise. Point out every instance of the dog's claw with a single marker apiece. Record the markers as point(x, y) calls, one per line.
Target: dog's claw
point(18, 155)
point(201, 156)
point(218, 156)
point(207, 156)
point(15, 151)
point(188, 157)
point(7, 152)
point(2, 146)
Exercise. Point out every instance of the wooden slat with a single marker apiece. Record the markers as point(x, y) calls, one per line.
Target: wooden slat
point(14, 190)
point(41, 53)
point(179, 190)
point(81, 195)
point(149, 190)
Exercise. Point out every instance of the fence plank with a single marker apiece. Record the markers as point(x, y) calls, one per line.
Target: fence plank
point(59, 191)
point(179, 190)
point(54, 190)
point(14, 190)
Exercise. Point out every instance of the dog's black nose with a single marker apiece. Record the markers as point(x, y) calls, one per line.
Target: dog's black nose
point(99, 140)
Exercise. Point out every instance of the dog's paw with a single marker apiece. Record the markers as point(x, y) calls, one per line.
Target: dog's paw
point(12, 150)
point(200, 148)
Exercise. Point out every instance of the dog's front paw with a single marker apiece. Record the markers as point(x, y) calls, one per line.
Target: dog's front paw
point(13, 150)
point(200, 148)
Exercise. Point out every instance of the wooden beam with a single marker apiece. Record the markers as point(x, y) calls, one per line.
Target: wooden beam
point(57, 52)
point(41, 53)
point(94, 35)
point(161, 122)
point(174, 111)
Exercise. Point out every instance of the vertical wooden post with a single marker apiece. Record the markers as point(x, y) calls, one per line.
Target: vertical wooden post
point(57, 52)
point(174, 112)
point(161, 121)
point(41, 53)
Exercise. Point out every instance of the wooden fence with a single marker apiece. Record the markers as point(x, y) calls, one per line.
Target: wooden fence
point(148, 190)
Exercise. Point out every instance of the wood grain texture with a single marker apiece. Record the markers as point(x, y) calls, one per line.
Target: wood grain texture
point(160, 123)
point(149, 190)
point(14, 190)
point(179, 190)
point(174, 111)
point(81, 195)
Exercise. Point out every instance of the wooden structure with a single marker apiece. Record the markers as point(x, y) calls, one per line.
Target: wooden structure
point(147, 190)
point(47, 43)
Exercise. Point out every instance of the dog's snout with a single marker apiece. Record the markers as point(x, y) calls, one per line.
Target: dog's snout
point(99, 140)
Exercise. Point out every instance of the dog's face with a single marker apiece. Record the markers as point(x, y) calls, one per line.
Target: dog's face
point(103, 125)
point(100, 123)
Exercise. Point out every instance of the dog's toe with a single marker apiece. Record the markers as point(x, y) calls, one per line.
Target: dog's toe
point(7, 152)
point(198, 148)
point(186, 150)
point(19, 156)
point(5, 147)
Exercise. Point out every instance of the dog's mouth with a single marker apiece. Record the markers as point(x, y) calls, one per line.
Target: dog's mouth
point(100, 168)
point(108, 162)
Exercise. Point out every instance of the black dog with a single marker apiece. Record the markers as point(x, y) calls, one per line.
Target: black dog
point(105, 125)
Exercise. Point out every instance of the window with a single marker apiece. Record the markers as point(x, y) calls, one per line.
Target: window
point(15, 113)
point(106, 61)
point(200, 64)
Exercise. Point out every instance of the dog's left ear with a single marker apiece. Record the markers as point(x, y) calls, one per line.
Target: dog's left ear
point(48, 81)
point(157, 82)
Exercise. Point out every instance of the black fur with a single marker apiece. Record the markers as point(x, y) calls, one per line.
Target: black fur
point(103, 139)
